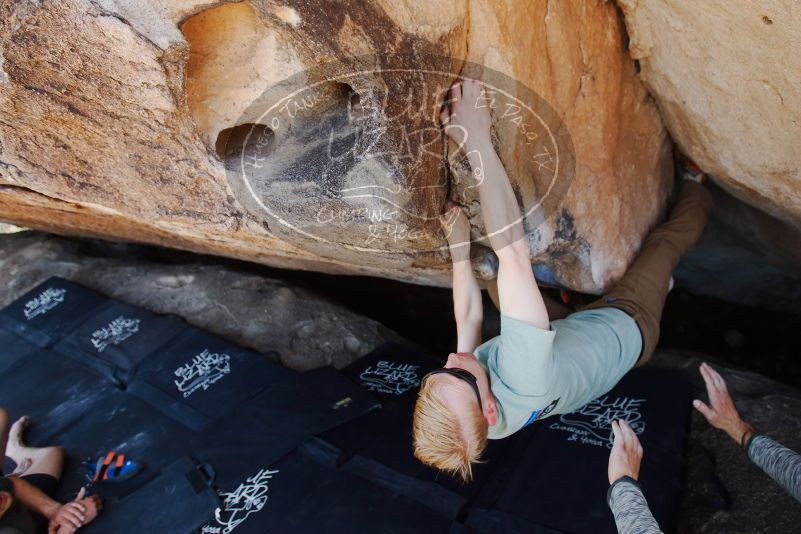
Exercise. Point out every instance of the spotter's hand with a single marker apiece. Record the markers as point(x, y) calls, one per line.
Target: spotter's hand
point(626, 455)
point(720, 412)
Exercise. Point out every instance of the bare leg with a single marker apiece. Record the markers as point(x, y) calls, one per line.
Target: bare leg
point(31, 460)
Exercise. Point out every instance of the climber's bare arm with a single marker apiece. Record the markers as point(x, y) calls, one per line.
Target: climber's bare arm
point(467, 121)
point(518, 293)
point(467, 308)
point(467, 304)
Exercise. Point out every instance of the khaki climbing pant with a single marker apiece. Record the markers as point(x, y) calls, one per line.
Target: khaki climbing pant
point(642, 291)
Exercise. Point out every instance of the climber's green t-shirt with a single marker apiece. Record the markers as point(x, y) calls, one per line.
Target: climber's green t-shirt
point(535, 373)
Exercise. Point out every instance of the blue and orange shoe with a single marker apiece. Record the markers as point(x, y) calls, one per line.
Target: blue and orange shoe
point(687, 169)
point(112, 467)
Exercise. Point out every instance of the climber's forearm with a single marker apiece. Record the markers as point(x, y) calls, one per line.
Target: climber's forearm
point(34, 498)
point(518, 292)
point(467, 307)
point(499, 207)
point(467, 304)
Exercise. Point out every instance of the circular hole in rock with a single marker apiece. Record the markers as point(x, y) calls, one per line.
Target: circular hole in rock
point(257, 138)
point(335, 97)
point(353, 101)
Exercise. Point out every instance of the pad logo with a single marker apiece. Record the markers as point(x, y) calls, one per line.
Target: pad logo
point(390, 378)
point(116, 332)
point(592, 424)
point(249, 498)
point(44, 302)
point(204, 370)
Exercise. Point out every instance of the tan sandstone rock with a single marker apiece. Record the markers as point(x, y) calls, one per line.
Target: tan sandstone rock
point(727, 78)
point(156, 121)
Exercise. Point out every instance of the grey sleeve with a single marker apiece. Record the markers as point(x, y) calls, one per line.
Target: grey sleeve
point(780, 463)
point(628, 504)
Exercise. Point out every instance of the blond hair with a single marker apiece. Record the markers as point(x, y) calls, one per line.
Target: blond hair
point(440, 439)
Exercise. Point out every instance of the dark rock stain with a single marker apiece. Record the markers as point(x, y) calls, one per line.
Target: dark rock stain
point(565, 227)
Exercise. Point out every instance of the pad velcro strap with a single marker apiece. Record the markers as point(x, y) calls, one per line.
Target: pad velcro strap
point(200, 478)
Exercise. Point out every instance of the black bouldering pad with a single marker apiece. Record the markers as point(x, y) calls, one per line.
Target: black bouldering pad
point(97, 375)
point(383, 439)
point(49, 311)
point(116, 339)
point(198, 378)
point(561, 480)
point(269, 425)
point(120, 422)
point(297, 494)
point(392, 372)
point(351, 505)
point(496, 522)
point(256, 502)
point(15, 348)
point(54, 391)
point(177, 500)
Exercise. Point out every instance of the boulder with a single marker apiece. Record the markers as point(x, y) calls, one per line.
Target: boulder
point(727, 78)
point(739, 258)
point(304, 134)
point(269, 315)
